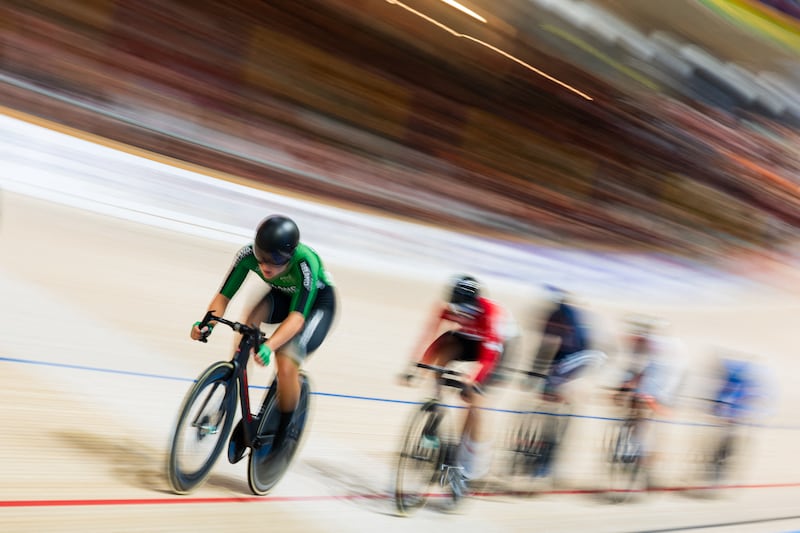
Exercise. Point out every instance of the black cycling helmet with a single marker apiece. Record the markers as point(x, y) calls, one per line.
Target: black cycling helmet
point(464, 295)
point(276, 239)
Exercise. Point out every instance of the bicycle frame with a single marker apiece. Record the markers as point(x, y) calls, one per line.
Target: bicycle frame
point(442, 380)
point(635, 409)
point(442, 460)
point(257, 432)
point(251, 337)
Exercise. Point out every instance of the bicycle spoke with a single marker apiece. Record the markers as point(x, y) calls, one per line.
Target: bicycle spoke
point(202, 429)
point(418, 464)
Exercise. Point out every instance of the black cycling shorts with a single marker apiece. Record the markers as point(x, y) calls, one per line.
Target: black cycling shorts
point(318, 322)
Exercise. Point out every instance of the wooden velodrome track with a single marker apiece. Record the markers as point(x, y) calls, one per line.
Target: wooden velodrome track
point(95, 360)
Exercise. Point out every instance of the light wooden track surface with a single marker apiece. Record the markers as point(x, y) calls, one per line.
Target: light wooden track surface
point(95, 313)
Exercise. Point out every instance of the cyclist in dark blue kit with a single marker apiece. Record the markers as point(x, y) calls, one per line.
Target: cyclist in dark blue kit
point(565, 344)
point(565, 335)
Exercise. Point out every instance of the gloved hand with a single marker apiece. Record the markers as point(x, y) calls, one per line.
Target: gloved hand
point(201, 334)
point(406, 377)
point(263, 354)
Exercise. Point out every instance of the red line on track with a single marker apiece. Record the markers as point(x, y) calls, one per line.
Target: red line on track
point(268, 499)
point(180, 500)
point(652, 489)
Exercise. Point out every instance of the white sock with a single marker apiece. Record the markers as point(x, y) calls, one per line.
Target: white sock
point(474, 457)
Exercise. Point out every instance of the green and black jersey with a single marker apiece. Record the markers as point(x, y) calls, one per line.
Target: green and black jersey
point(302, 279)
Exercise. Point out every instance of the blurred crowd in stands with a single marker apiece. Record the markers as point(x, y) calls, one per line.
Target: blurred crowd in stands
point(372, 106)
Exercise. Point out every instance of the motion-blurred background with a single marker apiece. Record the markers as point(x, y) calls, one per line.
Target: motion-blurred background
point(667, 128)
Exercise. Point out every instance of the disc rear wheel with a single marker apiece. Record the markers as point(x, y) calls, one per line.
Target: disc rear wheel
point(266, 466)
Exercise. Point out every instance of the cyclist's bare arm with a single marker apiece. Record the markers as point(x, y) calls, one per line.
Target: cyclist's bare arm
point(425, 339)
point(428, 334)
point(219, 304)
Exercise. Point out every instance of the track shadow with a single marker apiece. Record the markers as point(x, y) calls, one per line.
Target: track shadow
point(129, 461)
point(364, 491)
point(134, 463)
point(376, 493)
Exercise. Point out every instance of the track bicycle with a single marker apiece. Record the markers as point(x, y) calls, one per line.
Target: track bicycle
point(623, 446)
point(205, 421)
point(428, 454)
point(535, 433)
point(717, 456)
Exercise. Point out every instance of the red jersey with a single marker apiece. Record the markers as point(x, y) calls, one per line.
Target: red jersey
point(485, 327)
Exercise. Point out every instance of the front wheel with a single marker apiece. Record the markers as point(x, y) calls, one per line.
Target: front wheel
point(625, 456)
point(203, 426)
point(420, 458)
point(718, 462)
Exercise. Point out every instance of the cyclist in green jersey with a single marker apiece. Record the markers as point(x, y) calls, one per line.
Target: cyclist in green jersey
point(301, 300)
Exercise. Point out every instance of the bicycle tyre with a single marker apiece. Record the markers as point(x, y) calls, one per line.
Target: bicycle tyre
point(624, 465)
point(521, 443)
point(265, 468)
point(184, 479)
point(719, 463)
point(415, 458)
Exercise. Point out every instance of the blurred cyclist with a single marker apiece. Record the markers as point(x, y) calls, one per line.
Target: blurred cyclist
point(657, 361)
point(564, 351)
point(301, 299)
point(656, 371)
point(565, 343)
point(743, 393)
point(743, 388)
point(476, 327)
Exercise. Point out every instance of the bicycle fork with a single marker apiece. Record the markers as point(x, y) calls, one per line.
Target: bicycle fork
point(203, 421)
point(627, 448)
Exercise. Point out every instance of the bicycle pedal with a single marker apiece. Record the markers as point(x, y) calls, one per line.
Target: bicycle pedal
point(458, 483)
point(262, 441)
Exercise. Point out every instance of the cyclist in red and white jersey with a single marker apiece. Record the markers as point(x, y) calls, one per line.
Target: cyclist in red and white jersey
point(477, 331)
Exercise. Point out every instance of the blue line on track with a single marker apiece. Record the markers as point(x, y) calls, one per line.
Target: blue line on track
point(93, 369)
point(342, 396)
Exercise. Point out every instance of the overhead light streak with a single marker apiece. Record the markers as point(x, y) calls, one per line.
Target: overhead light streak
point(586, 47)
point(464, 9)
point(492, 48)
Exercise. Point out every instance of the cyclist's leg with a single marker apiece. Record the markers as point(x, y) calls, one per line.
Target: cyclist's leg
point(645, 407)
point(473, 452)
point(291, 356)
point(472, 427)
point(273, 308)
point(264, 311)
point(443, 350)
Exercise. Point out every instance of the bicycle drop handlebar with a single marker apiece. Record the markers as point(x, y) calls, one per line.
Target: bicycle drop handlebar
point(248, 331)
point(529, 373)
point(455, 382)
